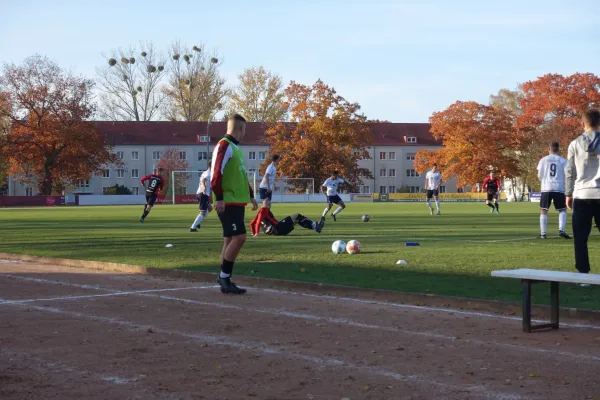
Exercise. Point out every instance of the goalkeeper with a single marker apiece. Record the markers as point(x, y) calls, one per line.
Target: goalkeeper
point(270, 226)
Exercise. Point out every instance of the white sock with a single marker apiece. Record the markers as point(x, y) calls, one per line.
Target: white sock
point(224, 275)
point(562, 221)
point(325, 211)
point(339, 210)
point(197, 221)
point(543, 223)
point(437, 204)
point(429, 205)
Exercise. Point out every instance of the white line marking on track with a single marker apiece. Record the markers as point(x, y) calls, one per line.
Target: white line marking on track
point(480, 390)
point(111, 294)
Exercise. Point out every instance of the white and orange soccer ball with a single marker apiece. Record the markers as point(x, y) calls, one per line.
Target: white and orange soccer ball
point(353, 247)
point(338, 247)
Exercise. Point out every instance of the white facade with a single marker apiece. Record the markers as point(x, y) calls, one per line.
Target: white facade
point(391, 167)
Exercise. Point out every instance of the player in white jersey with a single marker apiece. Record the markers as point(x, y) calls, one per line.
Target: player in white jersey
point(203, 196)
point(433, 180)
point(331, 189)
point(268, 181)
point(551, 173)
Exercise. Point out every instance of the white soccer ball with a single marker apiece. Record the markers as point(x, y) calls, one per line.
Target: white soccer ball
point(353, 247)
point(338, 247)
point(366, 218)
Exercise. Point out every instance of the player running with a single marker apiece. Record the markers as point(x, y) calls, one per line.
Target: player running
point(155, 185)
point(492, 186)
point(331, 185)
point(433, 180)
point(268, 181)
point(270, 226)
point(551, 173)
point(203, 196)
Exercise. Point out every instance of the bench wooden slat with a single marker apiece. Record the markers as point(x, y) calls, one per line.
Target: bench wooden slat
point(549, 276)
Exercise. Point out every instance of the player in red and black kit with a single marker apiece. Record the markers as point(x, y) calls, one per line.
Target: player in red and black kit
point(266, 220)
point(155, 185)
point(492, 186)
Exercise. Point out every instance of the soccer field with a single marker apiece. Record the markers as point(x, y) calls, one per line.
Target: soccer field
point(456, 254)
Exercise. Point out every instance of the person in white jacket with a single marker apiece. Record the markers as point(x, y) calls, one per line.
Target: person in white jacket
point(582, 185)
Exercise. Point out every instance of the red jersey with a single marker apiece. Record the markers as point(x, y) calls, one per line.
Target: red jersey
point(155, 184)
point(491, 185)
point(264, 218)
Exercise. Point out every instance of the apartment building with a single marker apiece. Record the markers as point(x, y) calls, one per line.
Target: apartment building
point(140, 146)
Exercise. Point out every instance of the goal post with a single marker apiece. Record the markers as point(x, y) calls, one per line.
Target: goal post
point(184, 184)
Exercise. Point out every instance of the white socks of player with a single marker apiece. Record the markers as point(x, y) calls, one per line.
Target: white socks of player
point(224, 275)
point(562, 221)
point(198, 220)
point(339, 210)
point(325, 211)
point(437, 204)
point(544, 223)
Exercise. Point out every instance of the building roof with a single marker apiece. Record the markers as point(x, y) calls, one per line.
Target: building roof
point(168, 133)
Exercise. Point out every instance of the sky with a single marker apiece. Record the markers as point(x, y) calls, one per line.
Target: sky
point(401, 61)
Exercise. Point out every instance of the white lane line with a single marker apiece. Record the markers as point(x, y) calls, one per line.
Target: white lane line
point(414, 307)
point(481, 390)
point(91, 296)
point(349, 322)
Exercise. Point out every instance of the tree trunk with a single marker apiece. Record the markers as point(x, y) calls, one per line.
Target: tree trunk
point(45, 186)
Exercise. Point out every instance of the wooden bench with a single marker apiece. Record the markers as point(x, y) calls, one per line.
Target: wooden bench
point(530, 276)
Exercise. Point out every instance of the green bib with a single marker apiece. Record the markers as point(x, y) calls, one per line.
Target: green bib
point(235, 180)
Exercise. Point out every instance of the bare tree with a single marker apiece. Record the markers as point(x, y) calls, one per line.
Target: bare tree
point(195, 89)
point(131, 87)
point(258, 96)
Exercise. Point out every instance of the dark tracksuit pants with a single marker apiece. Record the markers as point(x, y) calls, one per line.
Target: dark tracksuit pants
point(584, 211)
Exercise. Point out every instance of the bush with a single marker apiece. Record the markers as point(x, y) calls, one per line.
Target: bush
point(117, 189)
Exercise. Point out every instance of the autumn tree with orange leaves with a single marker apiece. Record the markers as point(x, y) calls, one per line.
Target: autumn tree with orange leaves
point(49, 138)
point(171, 160)
point(475, 136)
point(326, 133)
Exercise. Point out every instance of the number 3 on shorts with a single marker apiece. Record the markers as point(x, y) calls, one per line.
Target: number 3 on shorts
point(234, 227)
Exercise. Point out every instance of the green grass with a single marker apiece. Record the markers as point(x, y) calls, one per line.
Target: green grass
point(458, 249)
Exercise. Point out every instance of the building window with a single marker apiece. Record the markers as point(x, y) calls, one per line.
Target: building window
point(120, 155)
point(415, 189)
point(135, 173)
point(252, 155)
point(251, 171)
point(106, 173)
point(365, 189)
point(83, 184)
point(442, 189)
point(135, 190)
point(383, 189)
point(183, 155)
point(411, 173)
point(261, 155)
point(204, 139)
point(356, 153)
point(392, 173)
point(392, 155)
point(459, 190)
point(202, 155)
point(28, 191)
point(382, 172)
point(120, 173)
point(156, 155)
point(411, 139)
point(392, 189)
point(410, 157)
point(135, 155)
point(382, 155)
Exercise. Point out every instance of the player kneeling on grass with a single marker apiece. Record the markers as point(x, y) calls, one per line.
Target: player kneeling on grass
point(266, 220)
point(155, 185)
point(203, 196)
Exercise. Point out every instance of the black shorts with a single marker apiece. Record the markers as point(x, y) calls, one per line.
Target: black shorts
point(151, 198)
point(492, 195)
point(203, 201)
point(432, 193)
point(232, 220)
point(264, 194)
point(284, 227)
point(559, 200)
point(334, 199)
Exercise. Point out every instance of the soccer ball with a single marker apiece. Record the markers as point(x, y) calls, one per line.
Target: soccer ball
point(338, 247)
point(366, 218)
point(353, 247)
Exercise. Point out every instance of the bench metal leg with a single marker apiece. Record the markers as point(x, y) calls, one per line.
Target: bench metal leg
point(554, 307)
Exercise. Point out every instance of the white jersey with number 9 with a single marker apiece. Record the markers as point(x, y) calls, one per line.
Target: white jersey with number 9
point(551, 173)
